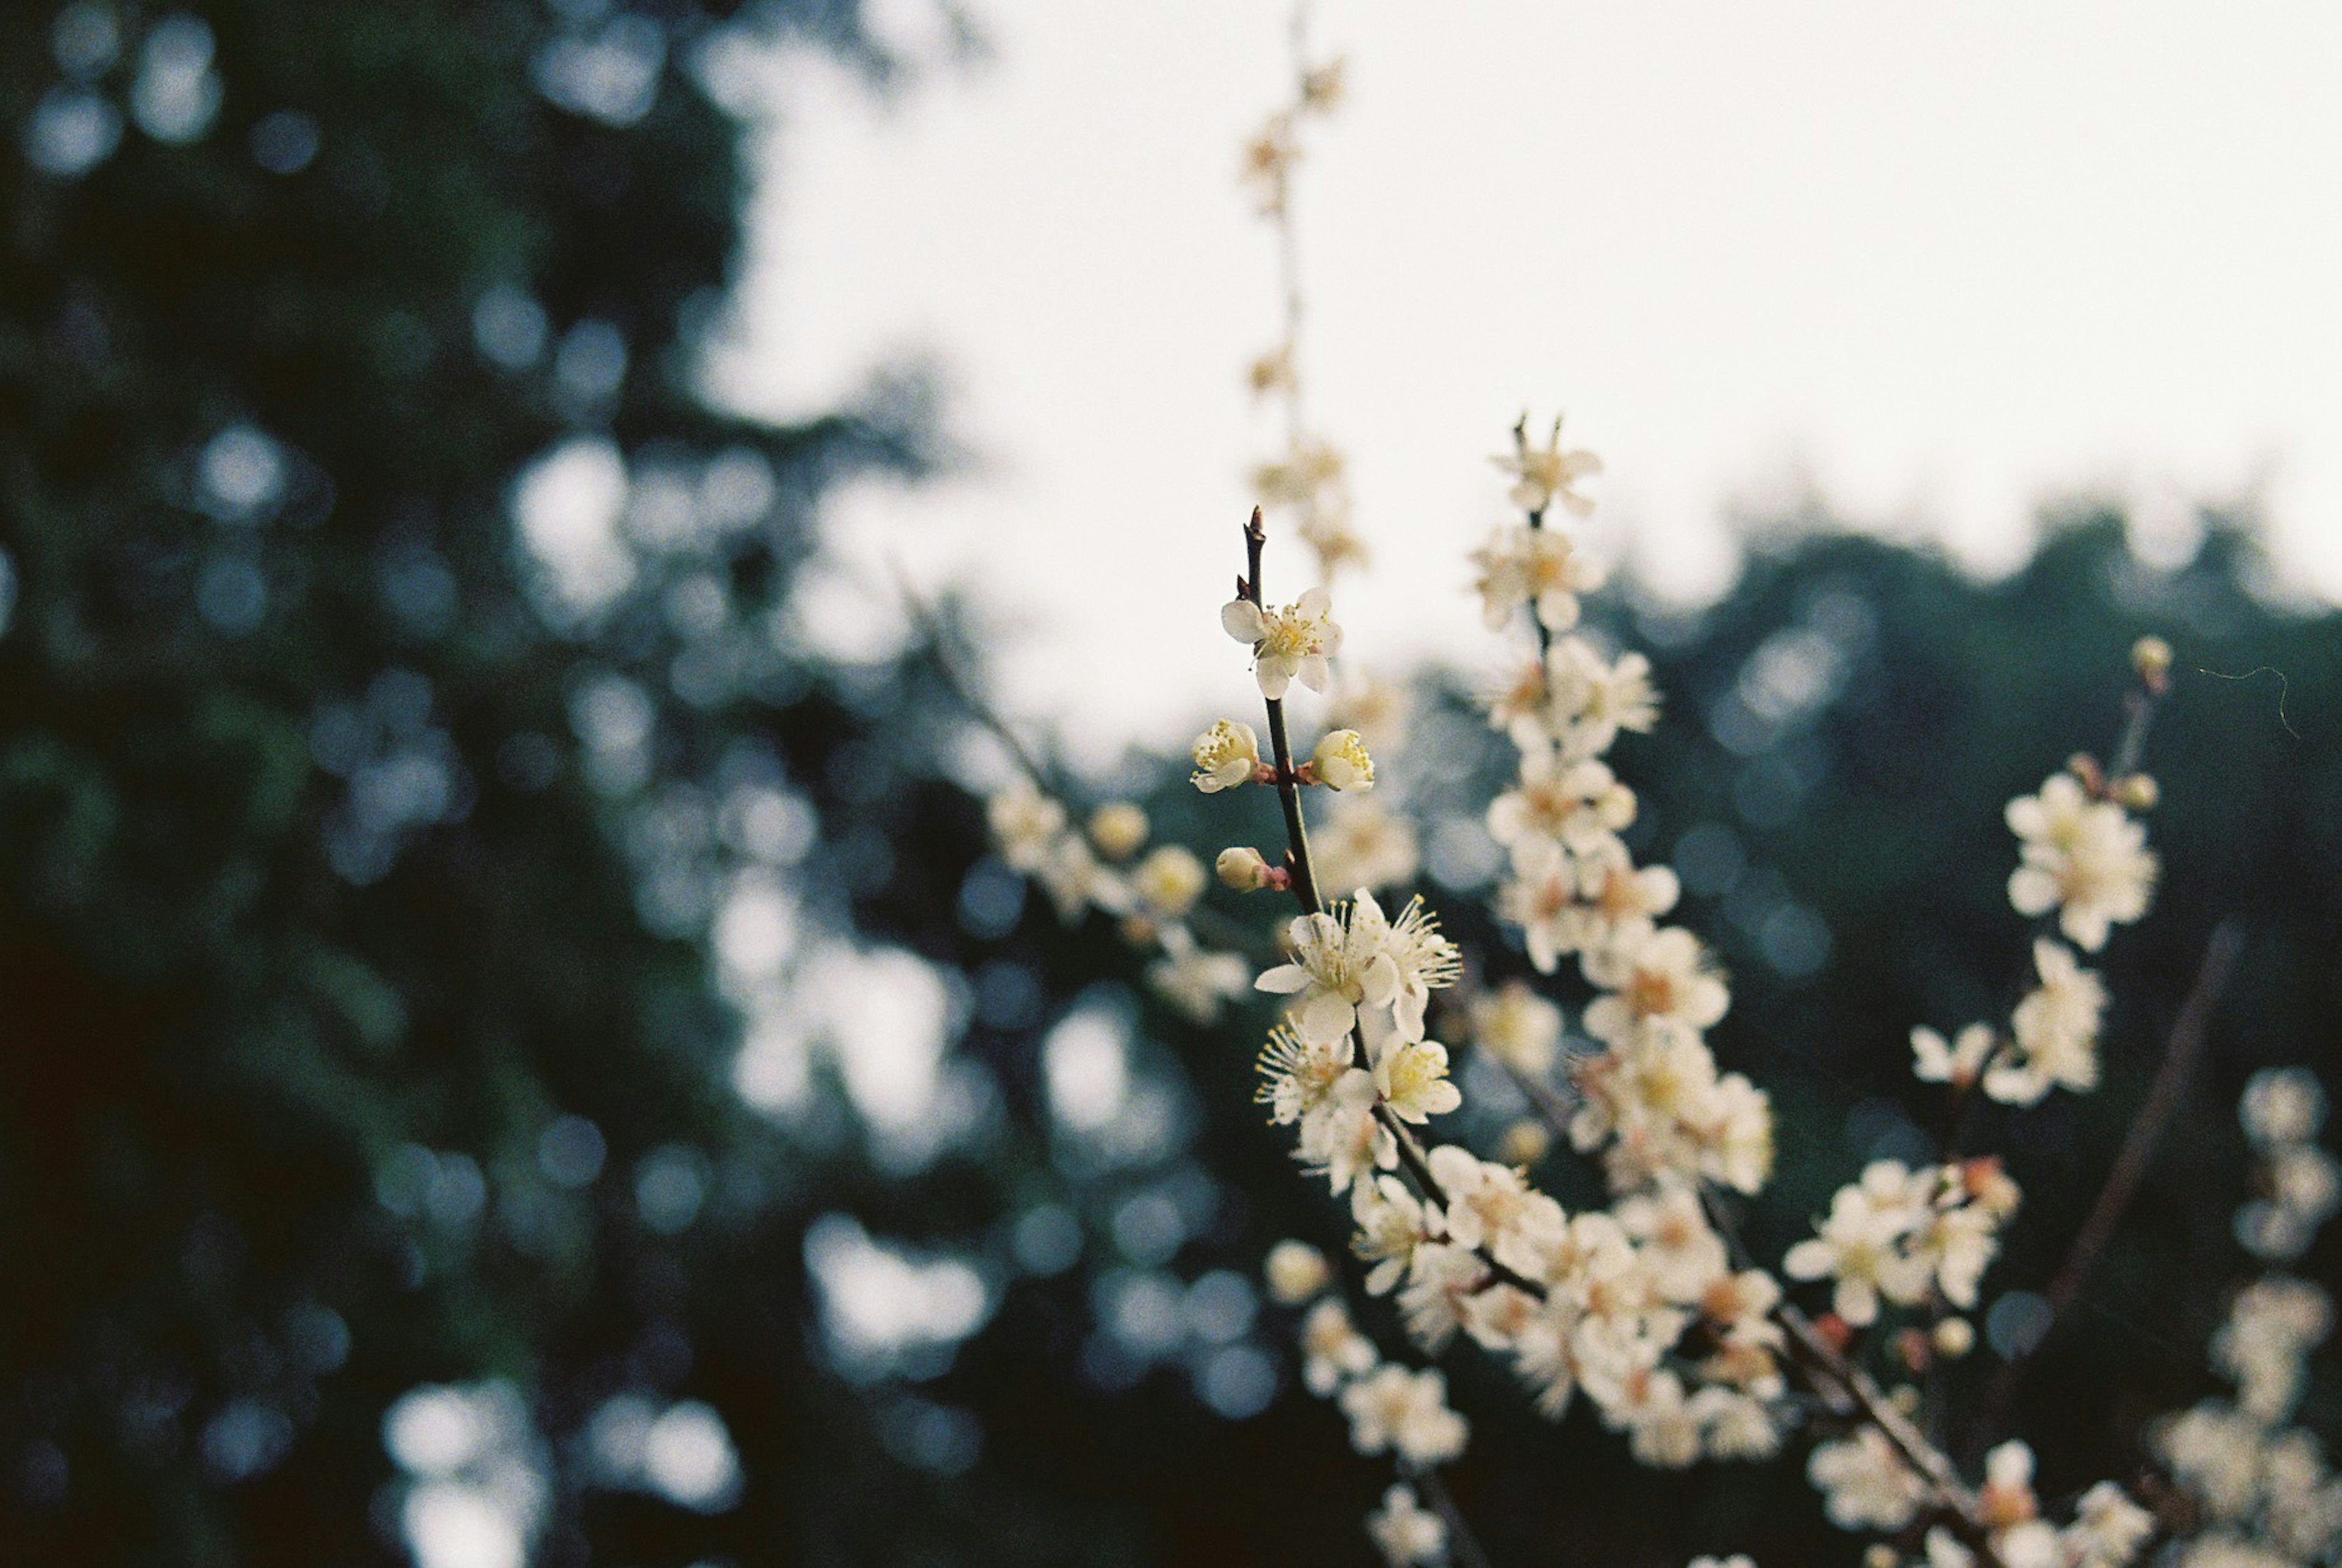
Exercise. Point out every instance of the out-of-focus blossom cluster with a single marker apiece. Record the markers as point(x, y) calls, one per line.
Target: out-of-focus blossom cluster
point(2260, 1483)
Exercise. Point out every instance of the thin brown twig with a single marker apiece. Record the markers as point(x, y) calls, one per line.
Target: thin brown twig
point(2183, 1048)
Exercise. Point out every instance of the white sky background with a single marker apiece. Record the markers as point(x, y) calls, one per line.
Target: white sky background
point(1936, 262)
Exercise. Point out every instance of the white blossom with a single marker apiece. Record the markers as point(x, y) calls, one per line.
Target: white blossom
point(1295, 1272)
point(2056, 1031)
point(1353, 956)
point(1226, 756)
point(1406, 1534)
point(1957, 1062)
point(1392, 1222)
point(1292, 644)
point(2084, 858)
point(1864, 1482)
point(1362, 843)
point(1332, 1349)
point(1341, 763)
point(1341, 1135)
point(2108, 1529)
point(1858, 1245)
point(1196, 981)
point(1536, 567)
point(1406, 1413)
point(1169, 881)
point(1411, 1075)
point(1659, 985)
point(1545, 474)
point(1518, 1027)
point(1580, 805)
point(1026, 825)
point(2282, 1105)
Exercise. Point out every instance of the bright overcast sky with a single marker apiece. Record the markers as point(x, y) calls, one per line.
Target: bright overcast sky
point(1937, 262)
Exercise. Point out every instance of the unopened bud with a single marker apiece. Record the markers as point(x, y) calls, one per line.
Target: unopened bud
point(1834, 1329)
point(1911, 1344)
point(1955, 1337)
point(1117, 828)
point(1295, 1270)
point(2085, 767)
point(2136, 792)
point(1240, 866)
point(2151, 657)
point(1905, 1398)
point(1525, 1143)
point(1878, 1554)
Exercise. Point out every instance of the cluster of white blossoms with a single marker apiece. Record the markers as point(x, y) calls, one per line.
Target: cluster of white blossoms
point(2084, 858)
point(1866, 1485)
point(2283, 1110)
point(1390, 1408)
point(1099, 867)
point(1909, 1238)
point(2259, 1484)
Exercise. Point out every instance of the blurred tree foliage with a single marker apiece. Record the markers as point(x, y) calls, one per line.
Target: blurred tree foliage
point(419, 786)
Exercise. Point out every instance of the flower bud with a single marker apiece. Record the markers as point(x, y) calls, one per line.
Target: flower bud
point(1117, 828)
point(2136, 792)
point(1170, 880)
point(1226, 756)
point(1340, 762)
point(2151, 657)
point(1525, 1143)
point(1911, 1344)
point(1295, 1270)
point(1241, 867)
point(1878, 1554)
point(1955, 1337)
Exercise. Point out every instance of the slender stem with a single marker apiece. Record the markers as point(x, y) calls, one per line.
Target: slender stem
point(1288, 782)
point(1411, 1157)
point(2182, 1049)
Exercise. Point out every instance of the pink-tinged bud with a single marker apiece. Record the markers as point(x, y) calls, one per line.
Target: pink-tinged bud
point(2151, 657)
point(1240, 866)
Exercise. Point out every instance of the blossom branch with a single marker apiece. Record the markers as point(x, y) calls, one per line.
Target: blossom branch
point(2182, 1050)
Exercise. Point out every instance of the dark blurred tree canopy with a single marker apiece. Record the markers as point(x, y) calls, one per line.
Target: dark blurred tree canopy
point(414, 780)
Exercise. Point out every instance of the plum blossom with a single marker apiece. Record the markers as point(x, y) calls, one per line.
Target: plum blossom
point(1864, 1484)
point(2056, 1031)
point(1535, 566)
point(1407, 1535)
point(1543, 474)
point(1296, 643)
point(1957, 1062)
point(1405, 1412)
point(1332, 1349)
point(1226, 756)
point(1340, 762)
point(1196, 981)
point(2084, 858)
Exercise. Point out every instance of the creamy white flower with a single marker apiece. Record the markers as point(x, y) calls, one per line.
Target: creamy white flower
point(1196, 981)
point(1411, 1075)
point(1332, 1349)
point(1864, 1482)
point(1405, 1412)
point(1392, 1222)
point(1661, 1429)
point(1958, 1244)
point(1341, 1135)
point(1226, 756)
point(1736, 1137)
point(1735, 1426)
point(1295, 1272)
point(1536, 567)
point(1361, 844)
point(1545, 474)
point(1376, 707)
point(2056, 1031)
point(2282, 1105)
point(1169, 881)
point(1658, 986)
point(1442, 1279)
point(1292, 644)
point(1341, 763)
point(1494, 1208)
point(1686, 1257)
point(1407, 1535)
point(1589, 700)
point(2108, 1529)
point(1118, 828)
point(1580, 805)
point(1957, 1062)
point(1025, 825)
point(1858, 1246)
point(1353, 955)
point(1075, 880)
point(1299, 1075)
point(1518, 1027)
point(2005, 1499)
point(2084, 858)
point(1497, 1315)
